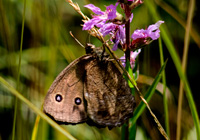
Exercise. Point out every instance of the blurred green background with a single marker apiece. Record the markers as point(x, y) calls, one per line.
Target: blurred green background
point(48, 48)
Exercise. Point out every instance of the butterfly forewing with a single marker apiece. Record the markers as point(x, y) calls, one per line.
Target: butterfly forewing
point(64, 101)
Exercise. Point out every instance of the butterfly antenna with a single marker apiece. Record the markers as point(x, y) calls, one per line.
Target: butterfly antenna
point(76, 40)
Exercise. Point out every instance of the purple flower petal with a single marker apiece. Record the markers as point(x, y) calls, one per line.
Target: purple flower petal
point(107, 28)
point(155, 26)
point(101, 23)
point(139, 34)
point(101, 18)
point(154, 35)
point(118, 34)
point(131, 17)
point(90, 24)
point(133, 56)
point(111, 12)
point(121, 33)
point(152, 31)
point(115, 46)
point(94, 9)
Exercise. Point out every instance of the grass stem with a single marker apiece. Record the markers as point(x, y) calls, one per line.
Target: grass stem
point(18, 72)
point(184, 65)
point(165, 102)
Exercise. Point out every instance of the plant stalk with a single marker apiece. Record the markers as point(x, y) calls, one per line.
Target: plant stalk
point(184, 65)
point(18, 72)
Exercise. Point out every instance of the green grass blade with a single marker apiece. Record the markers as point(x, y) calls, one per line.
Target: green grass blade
point(147, 96)
point(18, 72)
point(35, 128)
point(132, 131)
point(177, 62)
point(35, 109)
point(164, 90)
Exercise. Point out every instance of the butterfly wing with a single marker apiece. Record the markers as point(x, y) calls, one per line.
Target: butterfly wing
point(109, 99)
point(64, 101)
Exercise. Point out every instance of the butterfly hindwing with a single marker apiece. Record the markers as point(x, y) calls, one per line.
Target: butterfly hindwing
point(109, 99)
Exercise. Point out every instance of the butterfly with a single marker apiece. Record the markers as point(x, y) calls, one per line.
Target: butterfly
point(91, 89)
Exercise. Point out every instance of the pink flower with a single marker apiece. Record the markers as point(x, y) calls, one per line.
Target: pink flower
point(101, 17)
point(152, 31)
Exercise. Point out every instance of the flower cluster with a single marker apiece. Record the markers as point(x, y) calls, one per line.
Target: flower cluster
point(101, 18)
point(104, 21)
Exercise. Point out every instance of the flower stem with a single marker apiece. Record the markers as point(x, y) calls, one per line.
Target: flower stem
point(125, 128)
point(127, 31)
point(127, 49)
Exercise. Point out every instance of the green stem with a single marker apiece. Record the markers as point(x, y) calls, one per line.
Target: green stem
point(18, 72)
point(165, 102)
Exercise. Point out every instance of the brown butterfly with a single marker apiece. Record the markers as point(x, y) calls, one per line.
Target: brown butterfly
point(91, 89)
